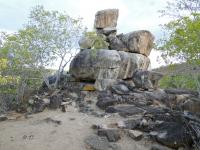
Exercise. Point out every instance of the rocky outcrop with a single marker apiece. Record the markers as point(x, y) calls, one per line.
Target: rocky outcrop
point(126, 53)
point(106, 66)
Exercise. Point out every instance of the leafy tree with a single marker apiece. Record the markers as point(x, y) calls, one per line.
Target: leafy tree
point(183, 41)
point(182, 37)
point(55, 37)
point(48, 37)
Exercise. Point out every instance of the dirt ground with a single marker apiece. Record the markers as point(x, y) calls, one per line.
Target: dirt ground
point(36, 134)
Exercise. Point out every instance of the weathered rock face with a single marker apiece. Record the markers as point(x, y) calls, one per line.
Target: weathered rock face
point(146, 79)
point(135, 42)
point(139, 41)
point(106, 65)
point(130, 62)
point(103, 64)
point(106, 18)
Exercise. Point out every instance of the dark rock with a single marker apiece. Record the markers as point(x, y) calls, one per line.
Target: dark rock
point(116, 44)
point(112, 135)
point(161, 96)
point(138, 99)
point(107, 31)
point(182, 91)
point(95, 142)
point(51, 80)
point(146, 79)
point(55, 101)
point(132, 124)
point(3, 118)
point(126, 110)
point(173, 135)
point(191, 106)
point(120, 89)
point(105, 99)
point(50, 120)
point(63, 109)
point(38, 106)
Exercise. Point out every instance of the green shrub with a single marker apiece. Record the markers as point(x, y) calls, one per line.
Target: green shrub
point(180, 81)
point(99, 40)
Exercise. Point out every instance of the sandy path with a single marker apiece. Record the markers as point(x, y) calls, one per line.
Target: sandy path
point(35, 134)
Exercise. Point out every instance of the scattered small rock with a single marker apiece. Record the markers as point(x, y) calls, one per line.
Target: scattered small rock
point(112, 135)
point(30, 137)
point(124, 110)
point(71, 119)
point(55, 101)
point(50, 120)
point(95, 142)
point(135, 134)
point(3, 118)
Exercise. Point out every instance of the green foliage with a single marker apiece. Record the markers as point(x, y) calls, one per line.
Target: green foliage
point(184, 39)
point(179, 81)
point(99, 40)
point(54, 35)
point(49, 36)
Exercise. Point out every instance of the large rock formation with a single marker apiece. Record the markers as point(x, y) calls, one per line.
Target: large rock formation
point(126, 54)
point(107, 64)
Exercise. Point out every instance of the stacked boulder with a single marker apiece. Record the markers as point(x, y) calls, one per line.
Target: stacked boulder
point(126, 53)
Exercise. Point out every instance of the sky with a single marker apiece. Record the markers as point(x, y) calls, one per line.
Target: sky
point(133, 14)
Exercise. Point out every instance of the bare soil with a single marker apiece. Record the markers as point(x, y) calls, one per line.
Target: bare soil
point(37, 133)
